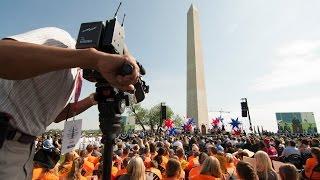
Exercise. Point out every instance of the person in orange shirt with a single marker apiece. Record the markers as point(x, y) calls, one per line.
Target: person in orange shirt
point(147, 152)
point(195, 150)
point(40, 173)
point(311, 169)
point(65, 167)
point(125, 153)
point(193, 159)
point(93, 159)
point(123, 169)
point(152, 166)
point(45, 168)
point(173, 170)
point(223, 161)
point(114, 171)
point(196, 170)
point(193, 162)
point(231, 168)
point(91, 156)
point(181, 156)
point(210, 170)
point(155, 170)
point(162, 152)
point(153, 152)
point(76, 170)
point(88, 166)
point(158, 160)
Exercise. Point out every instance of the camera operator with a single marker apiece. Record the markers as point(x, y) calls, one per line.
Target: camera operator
point(37, 77)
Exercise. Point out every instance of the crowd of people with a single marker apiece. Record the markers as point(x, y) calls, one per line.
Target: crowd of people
point(187, 156)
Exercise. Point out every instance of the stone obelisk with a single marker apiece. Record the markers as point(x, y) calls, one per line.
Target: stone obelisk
point(196, 89)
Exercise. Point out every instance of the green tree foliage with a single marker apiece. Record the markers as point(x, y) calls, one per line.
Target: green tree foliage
point(178, 120)
point(154, 116)
point(140, 114)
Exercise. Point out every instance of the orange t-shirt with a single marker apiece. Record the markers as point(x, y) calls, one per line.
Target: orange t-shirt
point(193, 162)
point(93, 159)
point(164, 161)
point(114, 172)
point(147, 162)
point(88, 167)
point(231, 168)
point(39, 174)
point(203, 177)
point(183, 163)
point(195, 171)
point(65, 169)
point(310, 164)
point(190, 157)
point(121, 172)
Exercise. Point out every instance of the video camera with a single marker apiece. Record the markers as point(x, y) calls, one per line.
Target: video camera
point(109, 37)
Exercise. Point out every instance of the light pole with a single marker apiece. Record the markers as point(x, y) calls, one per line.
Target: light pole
point(245, 110)
point(163, 114)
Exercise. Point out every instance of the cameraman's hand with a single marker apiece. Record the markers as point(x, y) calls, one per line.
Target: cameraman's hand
point(110, 64)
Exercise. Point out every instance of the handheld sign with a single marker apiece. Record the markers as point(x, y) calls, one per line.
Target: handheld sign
point(71, 135)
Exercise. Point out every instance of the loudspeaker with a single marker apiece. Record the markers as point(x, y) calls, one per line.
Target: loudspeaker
point(163, 112)
point(244, 109)
point(244, 113)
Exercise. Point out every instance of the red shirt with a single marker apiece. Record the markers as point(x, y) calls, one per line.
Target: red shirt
point(271, 151)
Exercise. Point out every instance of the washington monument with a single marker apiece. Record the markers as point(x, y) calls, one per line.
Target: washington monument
point(196, 90)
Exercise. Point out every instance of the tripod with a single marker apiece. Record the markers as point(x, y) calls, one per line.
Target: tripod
point(111, 104)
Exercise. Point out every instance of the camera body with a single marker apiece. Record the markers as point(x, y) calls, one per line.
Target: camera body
point(106, 37)
point(109, 37)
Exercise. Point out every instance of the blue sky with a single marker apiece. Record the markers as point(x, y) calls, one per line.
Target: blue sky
point(267, 51)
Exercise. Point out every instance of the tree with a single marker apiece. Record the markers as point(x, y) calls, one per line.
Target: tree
point(154, 116)
point(178, 120)
point(140, 114)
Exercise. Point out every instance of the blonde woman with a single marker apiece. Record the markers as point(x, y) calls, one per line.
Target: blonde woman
point(75, 172)
point(135, 170)
point(231, 168)
point(210, 170)
point(264, 166)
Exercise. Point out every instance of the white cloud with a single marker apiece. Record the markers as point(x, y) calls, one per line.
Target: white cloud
point(297, 63)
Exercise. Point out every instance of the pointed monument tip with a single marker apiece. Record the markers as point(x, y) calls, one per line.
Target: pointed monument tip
point(192, 7)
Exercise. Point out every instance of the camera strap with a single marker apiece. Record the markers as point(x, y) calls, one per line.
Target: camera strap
point(77, 90)
point(76, 93)
point(78, 85)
